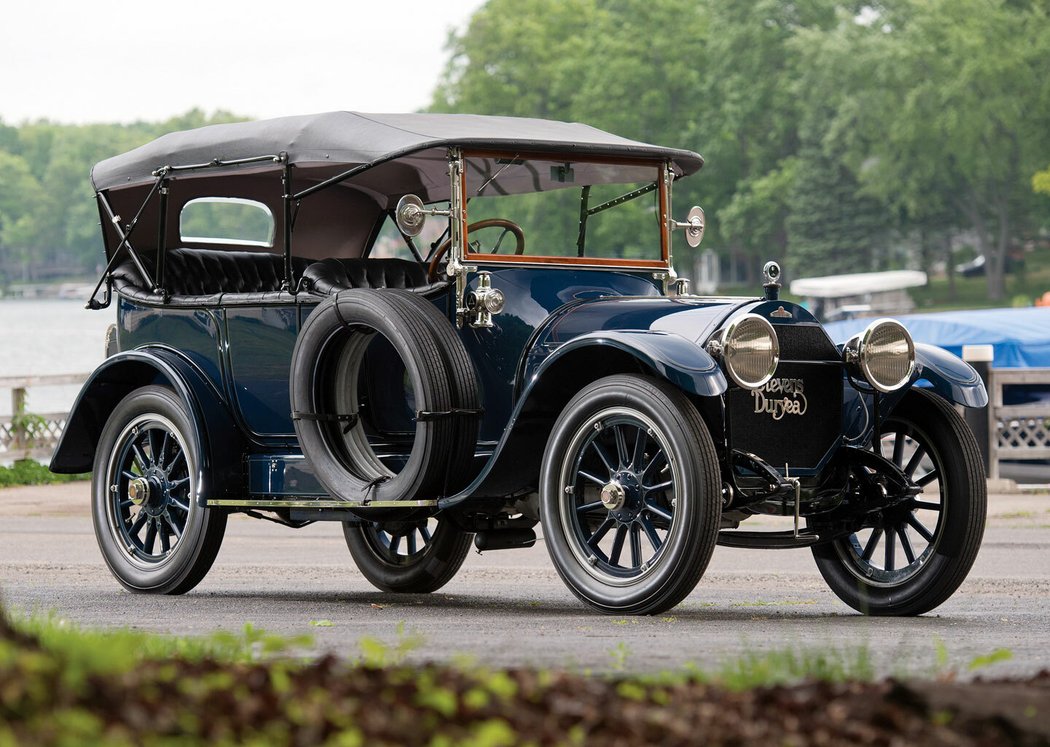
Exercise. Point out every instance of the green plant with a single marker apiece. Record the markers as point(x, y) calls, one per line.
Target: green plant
point(764, 668)
point(375, 653)
point(28, 430)
point(619, 656)
point(32, 472)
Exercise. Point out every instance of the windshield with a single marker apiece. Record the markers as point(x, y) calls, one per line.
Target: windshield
point(576, 210)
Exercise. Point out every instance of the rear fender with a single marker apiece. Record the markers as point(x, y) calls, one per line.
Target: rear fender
point(220, 446)
point(515, 462)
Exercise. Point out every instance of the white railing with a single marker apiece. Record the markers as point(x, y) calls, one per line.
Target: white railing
point(1016, 432)
point(30, 435)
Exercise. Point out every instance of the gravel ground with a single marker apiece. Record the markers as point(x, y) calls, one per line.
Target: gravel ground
point(509, 608)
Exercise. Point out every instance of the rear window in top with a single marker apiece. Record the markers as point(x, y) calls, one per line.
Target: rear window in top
point(226, 220)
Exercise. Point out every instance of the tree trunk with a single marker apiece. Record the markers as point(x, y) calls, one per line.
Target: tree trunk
point(993, 267)
point(996, 264)
point(949, 266)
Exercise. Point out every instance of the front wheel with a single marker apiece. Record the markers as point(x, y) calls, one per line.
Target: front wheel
point(629, 495)
point(411, 557)
point(910, 558)
point(153, 535)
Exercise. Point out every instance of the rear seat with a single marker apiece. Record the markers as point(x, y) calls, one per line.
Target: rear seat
point(214, 276)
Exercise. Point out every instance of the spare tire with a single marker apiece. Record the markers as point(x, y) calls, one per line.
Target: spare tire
point(324, 380)
point(466, 390)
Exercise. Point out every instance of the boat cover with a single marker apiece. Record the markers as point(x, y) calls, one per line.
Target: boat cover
point(1020, 337)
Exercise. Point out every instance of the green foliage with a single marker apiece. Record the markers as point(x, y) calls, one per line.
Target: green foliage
point(32, 472)
point(48, 216)
point(986, 660)
point(376, 653)
point(120, 650)
point(620, 653)
point(934, 108)
point(763, 668)
point(1041, 182)
point(63, 686)
point(838, 136)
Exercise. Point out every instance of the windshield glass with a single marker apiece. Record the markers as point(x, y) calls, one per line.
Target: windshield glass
point(563, 209)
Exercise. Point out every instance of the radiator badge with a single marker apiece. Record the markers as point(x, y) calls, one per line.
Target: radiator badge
point(793, 401)
point(780, 313)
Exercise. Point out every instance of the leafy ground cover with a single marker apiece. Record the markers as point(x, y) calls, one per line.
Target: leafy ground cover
point(31, 472)
point(62, 686)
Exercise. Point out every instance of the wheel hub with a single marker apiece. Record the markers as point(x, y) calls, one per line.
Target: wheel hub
point(613, 495)
point(624, 496)
point(138, 491)
point(155, 492)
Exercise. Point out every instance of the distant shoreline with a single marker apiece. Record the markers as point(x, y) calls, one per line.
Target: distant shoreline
point(71, 291)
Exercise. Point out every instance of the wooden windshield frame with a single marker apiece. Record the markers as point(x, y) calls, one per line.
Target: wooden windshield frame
point(606, 262)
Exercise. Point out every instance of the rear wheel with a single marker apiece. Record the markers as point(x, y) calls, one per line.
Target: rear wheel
point(910, 558)
point(153, 535)
point(629, 495)
point(413, 557)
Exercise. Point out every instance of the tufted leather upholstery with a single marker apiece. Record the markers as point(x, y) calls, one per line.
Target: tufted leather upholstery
point(331, 275)
point(204, 275)
point(214, 276)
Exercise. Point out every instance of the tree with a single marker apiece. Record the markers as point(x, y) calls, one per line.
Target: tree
point(943, 103)
point(21, 200)
point(518, 58)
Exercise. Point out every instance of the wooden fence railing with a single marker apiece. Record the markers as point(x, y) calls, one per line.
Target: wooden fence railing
point(30, 435)
point(1017, 432)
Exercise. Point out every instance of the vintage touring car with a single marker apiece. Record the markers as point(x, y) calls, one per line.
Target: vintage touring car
point(445, 329)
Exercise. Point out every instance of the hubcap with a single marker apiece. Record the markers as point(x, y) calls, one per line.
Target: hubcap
point(613, 496)
point(138, 491)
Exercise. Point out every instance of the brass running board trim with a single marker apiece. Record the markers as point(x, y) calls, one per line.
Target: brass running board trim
point(327, 504)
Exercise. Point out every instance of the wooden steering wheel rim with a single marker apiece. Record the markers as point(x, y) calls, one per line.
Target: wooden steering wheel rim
point(509, 225)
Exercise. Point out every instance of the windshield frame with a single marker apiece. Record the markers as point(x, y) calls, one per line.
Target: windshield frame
point(604, 262)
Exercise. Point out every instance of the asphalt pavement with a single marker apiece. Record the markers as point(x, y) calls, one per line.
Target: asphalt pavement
point(509, 608)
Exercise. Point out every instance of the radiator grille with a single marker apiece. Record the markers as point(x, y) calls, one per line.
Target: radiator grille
point(797, 417)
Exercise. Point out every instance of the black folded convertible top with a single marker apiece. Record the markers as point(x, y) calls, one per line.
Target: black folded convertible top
point(354, 139)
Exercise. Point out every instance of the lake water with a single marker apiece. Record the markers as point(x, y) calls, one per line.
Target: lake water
point(40, 337)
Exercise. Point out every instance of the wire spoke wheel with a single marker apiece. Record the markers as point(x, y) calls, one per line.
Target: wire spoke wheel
point(621, 490)
point(909, 557)
point(412, 556)
point(401, 543)
point(903, 538)
point(629, 495)
point(150, 489)
point(153, 534)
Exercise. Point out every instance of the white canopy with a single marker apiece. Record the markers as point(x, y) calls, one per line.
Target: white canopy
point(857, 284)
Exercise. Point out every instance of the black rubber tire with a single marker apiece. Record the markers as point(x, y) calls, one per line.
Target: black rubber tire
point(465, 387)
point(678, 432)
point(419, 572)
point(957, 535)
point(416, 337)
point(159, 409)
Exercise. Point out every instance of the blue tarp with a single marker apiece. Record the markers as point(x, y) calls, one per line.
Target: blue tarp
point(1021, 337)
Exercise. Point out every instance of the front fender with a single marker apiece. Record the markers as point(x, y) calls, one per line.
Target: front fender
point(220, 445)
point(515, 462)
point(951, 377)
point(682, 362)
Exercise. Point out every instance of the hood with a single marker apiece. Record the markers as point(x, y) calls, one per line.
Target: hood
point(693, 318)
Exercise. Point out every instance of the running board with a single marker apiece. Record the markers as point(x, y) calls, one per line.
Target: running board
point(315, 503)
point(767, 540)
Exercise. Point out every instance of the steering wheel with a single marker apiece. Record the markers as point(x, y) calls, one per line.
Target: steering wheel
point(508, 226)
